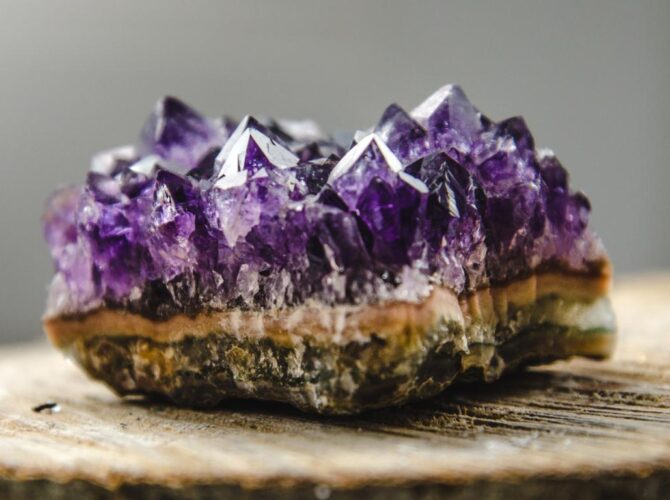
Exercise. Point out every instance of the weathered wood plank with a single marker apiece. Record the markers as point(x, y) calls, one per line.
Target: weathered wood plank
point(580, 428)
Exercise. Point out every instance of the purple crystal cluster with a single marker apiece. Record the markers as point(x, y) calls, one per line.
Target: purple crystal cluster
point(209, 213)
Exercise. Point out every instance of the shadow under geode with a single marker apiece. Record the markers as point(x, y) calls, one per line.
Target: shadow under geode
point(509, 406)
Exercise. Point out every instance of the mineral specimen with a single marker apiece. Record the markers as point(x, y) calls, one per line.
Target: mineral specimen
point(264, 259)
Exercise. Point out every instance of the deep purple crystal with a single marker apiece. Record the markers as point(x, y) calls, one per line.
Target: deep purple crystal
point(211, 213)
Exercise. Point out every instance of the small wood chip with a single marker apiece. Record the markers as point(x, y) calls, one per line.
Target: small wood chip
point(48, 407)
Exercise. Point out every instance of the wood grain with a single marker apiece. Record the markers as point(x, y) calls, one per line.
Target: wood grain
point(579, 428)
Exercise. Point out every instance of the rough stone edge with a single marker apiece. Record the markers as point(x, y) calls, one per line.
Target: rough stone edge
point(330, 378)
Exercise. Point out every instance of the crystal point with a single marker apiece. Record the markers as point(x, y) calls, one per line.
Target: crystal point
point(404, 136)
point(178, 133)
point(449, 110)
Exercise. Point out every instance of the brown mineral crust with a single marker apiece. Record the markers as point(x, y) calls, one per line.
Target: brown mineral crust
point(340, 359)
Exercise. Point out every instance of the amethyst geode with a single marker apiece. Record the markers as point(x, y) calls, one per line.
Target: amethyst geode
point(206, 215)
point(209, 213)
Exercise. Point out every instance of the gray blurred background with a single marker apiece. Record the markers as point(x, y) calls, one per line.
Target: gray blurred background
point(591, 78)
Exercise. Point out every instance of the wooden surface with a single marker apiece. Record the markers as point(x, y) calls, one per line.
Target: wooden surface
point(578, 428)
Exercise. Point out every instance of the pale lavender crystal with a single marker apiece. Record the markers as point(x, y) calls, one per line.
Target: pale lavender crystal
point(210, 213)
